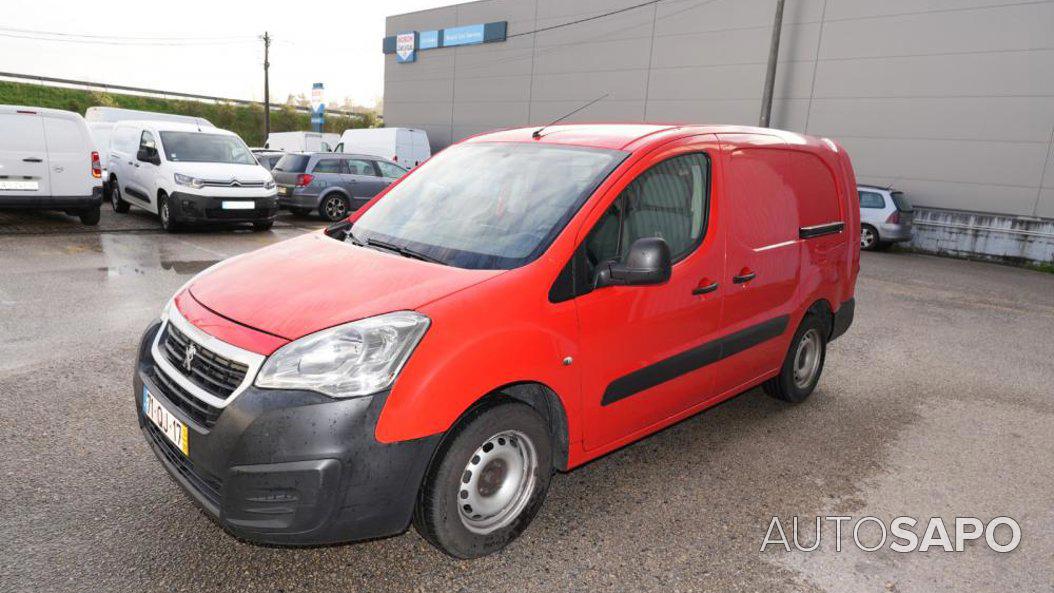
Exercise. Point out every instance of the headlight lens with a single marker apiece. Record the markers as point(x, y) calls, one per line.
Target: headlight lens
point(269, 184)
point(189, 181)
point(355, 359)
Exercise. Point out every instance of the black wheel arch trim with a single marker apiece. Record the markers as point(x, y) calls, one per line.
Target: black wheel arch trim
point(693, 359)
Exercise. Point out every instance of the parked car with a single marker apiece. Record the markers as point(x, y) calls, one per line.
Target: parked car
point(267, 158)
point(524, 302)
point(886, 217)
point(48, 162)
point(117, 114)
point(302, 141)
point(332, 184)
point(187, 174)
point(405, 146)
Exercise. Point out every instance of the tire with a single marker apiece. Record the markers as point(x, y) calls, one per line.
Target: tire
point(168, 223)
point(869, 240)
point(334, 207)
point(803, 364)
point(300, 211)
point(116, 199)
point(90, 217)
point(259, 227)
point(499, 439)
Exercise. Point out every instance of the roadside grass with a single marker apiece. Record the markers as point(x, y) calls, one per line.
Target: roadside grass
point(245, 120)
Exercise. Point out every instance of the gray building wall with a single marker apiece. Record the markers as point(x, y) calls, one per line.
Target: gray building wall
point(950, 100)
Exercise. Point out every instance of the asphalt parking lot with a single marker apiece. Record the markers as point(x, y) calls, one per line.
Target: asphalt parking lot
point(938, 402)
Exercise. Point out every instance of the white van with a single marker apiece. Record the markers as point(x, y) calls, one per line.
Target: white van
point(48, 162)
point(189, 174)
point(406, 146)
point(302, 141)
point(116, 114)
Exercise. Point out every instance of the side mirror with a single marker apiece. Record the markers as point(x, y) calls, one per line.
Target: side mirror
point(647, 262)
point(148, 155)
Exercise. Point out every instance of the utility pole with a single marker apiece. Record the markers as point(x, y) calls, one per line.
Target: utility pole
point(770, 74)
point(267, 86)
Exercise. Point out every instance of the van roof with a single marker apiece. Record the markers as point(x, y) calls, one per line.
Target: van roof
point(29, 110)
point(631, 136)
point(172, 126)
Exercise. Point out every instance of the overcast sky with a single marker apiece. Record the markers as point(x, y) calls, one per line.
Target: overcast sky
point(338, 43)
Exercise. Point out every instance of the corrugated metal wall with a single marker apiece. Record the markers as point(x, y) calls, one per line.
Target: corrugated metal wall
point(949, 100)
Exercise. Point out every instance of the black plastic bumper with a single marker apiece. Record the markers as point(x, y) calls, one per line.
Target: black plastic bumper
point(209, 209)
point(290, 467)
point(54, 202)
point(843, 318)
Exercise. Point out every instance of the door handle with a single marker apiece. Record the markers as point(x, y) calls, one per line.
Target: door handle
point(704, 288)
point(744, 276)
point(33, 159)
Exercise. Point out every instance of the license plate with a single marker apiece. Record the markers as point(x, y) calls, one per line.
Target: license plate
point(239, 205)
point(173, 429)
point(283, 191)
point(20, 185)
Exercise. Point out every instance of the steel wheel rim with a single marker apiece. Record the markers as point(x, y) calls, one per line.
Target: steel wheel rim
point(867, 238)
point(115, 197)
point(807, 359)
point(497, 482)
point(335, 208)
point(164, 214)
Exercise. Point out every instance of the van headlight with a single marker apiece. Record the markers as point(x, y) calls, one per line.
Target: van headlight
point(188, 181)
point(350, 360)
point(269, 184)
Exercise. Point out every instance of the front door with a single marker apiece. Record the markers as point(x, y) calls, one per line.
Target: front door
point(645, 349)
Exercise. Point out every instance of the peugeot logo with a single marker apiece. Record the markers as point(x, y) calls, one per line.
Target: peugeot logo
point(188, 357)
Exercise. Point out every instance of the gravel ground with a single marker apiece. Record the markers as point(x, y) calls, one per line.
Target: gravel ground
point(938, 402)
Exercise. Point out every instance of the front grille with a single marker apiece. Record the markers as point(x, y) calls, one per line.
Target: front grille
point(215, 374)
point(234, 183)
point(209, 486)
point(198, 411)
point(223, 214)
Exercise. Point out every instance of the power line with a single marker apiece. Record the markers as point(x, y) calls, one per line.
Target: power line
point(129, 37)
point(123, 43)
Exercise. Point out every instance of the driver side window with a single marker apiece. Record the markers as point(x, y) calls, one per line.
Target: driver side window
point(147, 141)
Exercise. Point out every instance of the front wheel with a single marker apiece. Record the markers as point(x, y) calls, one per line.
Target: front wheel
point(165, 214)
point(804, 362)
point(487, 482)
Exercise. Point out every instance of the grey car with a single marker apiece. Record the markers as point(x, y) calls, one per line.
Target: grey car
point(886, 217)
point(332, 184)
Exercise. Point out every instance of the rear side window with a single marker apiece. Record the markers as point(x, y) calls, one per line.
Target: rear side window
point(870, 199)
point(390, 171)
point(21, 132)
point(669, 200)
point(361, 167)
point(327, 166)
point(901, 202)
point(292, 163)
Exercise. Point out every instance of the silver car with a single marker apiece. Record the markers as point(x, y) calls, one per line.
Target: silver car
point(885, 217)
point(330, 183)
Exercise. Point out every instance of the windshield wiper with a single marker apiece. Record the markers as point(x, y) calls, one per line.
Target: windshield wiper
point(398, 249)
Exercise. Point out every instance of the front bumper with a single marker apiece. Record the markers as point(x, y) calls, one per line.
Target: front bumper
point(187, 207)
point(895, 232)
point(289, 467)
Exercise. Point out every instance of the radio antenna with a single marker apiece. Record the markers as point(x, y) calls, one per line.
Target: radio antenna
point(538, 133)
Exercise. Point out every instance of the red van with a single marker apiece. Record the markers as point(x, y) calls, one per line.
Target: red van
point(523, 302)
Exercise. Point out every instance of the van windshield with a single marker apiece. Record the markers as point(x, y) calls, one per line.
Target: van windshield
point(486, 205)
point(196, 147)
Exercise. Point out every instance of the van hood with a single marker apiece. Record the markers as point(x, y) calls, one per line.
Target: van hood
point(221, 171)
point(304, 285)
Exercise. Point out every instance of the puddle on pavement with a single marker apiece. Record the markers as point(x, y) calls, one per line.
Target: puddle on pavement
point(181, 267)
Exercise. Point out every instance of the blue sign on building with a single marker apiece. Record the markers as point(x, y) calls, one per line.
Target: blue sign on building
point(405, 45)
